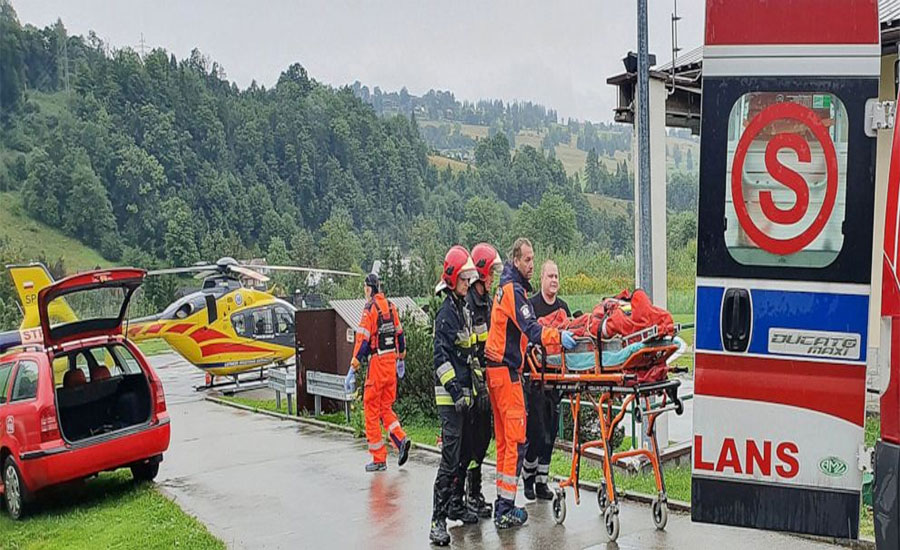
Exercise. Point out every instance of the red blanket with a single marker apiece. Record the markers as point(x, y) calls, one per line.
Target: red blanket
point(613, 317)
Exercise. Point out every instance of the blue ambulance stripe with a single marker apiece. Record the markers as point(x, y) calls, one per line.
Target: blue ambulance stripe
point(783, 309)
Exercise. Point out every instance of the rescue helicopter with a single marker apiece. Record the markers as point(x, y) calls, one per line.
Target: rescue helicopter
point(227, 327)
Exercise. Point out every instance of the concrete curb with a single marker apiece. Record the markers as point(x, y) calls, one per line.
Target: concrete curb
point(674, 505)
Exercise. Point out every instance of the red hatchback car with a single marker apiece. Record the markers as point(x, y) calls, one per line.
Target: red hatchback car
point(77, 398)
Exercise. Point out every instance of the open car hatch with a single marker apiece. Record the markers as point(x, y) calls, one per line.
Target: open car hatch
point(99, 300)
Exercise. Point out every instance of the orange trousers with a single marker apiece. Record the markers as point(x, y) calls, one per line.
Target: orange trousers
point(378, 400)
point(508, 404)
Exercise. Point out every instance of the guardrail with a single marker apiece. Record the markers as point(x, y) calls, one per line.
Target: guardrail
point(323, 384)
point(283, 380)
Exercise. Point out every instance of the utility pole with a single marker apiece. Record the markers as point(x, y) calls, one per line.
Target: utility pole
point(644, 252)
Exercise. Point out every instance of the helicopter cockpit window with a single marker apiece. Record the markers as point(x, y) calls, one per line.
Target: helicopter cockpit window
point(284, 321)
point(262, 322)
point(240, 326)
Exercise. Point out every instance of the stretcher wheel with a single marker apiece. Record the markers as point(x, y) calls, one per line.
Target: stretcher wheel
point(660, 514)
point(611, 519)
point(602, 500)
point(638, 415)
point(679, 407)
point(559, 506)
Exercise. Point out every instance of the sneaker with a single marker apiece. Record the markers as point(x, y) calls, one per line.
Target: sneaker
point(376, 466)
point(529, 488)
point(457, 511)
point(514, 517)
point(543, 492)
point(439, 535)
point(404, 451)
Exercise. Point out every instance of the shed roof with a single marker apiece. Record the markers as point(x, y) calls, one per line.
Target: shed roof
point(350, 311)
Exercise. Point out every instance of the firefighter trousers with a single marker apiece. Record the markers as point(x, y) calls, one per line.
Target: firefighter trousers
point(448, 484)
point(378, 401)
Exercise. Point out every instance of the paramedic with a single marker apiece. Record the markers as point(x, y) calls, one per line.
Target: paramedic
point(479, 430)
point(454, 344)
point(542, 404)
point(379, 337)
point(513, 324)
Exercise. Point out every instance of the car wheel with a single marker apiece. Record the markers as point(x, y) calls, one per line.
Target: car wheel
point(145, 471)
point(16, 493)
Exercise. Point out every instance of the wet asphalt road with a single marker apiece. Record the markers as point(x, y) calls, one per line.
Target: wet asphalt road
point(260, 482)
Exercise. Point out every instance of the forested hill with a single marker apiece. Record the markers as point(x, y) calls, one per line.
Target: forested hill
point(154, 159)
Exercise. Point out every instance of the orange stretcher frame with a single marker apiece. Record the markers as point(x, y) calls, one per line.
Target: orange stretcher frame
point(602, 387)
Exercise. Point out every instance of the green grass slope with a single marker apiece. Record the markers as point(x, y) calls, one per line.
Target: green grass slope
point(40, 240)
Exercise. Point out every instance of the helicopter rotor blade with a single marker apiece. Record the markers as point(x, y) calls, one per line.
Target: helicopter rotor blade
point(205, 274)
point(307, 270)
point(247, 272)
point(176, 270)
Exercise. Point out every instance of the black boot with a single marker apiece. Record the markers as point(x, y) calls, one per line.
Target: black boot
point(543, 492)
point(458, 511)
point(439, 535)
point(474, 498)
point(529, 488)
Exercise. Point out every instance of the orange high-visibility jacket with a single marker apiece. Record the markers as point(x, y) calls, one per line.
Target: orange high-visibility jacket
point(513, 323)
point(379, 332)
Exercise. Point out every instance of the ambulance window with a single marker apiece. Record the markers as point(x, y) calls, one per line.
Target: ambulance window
point(786, 179)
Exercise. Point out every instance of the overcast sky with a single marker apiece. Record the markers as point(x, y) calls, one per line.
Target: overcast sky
point(558, 53)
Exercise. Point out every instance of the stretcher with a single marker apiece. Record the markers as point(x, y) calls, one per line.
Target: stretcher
point(612, 375)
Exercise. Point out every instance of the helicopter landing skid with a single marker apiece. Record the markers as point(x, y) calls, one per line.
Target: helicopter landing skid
point(235, 383)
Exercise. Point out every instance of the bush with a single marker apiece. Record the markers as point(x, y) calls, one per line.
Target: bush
point(416, 391)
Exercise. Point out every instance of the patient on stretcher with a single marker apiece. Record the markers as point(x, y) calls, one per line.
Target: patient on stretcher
point(633, 334)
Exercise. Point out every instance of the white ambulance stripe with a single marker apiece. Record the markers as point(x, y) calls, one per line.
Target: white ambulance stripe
point(718, 418)
point(787, 286)
point(793, 60)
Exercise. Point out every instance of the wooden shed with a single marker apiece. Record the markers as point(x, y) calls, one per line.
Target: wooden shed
point(326, 338)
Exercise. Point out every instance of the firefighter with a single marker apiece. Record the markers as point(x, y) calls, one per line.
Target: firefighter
point(379, 337)
point(487, 263)
point(454, 342)
point(513, 325)
point(541, 403)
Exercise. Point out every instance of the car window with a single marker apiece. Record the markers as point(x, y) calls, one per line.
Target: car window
point(25, 386)
point(126, 362)
point(5, 371)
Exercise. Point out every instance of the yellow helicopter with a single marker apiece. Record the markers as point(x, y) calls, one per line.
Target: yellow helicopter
point(225, 328)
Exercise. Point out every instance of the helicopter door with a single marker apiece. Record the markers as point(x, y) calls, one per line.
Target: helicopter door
point(261, 323)
point(284, 326)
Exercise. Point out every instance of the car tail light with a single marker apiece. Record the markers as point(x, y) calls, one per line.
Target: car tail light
point(160, 395)
point(49, 425)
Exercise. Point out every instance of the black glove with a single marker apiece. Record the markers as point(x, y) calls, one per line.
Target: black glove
point(462, 404)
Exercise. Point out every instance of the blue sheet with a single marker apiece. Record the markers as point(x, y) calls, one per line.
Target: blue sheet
point(585, 360)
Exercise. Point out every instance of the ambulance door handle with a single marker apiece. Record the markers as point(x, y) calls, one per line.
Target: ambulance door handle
point(736, 317)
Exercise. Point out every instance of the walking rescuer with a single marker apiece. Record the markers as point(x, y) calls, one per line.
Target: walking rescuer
point(379, 337)
point(454, 344)
point(542, 404)
point(487, 263)
point(513, 325)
